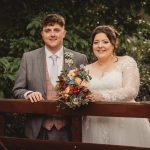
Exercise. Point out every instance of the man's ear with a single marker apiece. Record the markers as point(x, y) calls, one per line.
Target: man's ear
point(41, 33)
point(65, 32)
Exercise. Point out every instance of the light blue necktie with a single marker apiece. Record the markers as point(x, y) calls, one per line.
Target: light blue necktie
point(54, 69)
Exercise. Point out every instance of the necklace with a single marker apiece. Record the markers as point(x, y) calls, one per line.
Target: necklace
point(106, 66)
point(109, 61)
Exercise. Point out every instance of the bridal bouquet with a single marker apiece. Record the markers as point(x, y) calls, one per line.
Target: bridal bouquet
point(71, 88)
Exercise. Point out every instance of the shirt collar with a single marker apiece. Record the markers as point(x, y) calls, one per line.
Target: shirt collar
point(59, 53)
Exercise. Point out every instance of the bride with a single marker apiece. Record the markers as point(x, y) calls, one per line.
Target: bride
point(114, 78)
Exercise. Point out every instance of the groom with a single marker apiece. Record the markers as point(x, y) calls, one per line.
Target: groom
point(37, 77)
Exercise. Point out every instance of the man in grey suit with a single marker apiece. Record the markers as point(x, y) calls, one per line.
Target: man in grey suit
point(37, 75)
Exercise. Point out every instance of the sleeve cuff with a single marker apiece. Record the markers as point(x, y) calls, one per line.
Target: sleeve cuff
point(27, 93)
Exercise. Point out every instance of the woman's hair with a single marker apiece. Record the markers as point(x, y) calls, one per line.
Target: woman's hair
point(110, 32)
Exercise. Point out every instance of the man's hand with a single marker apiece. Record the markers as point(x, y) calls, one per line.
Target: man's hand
point(35, 97)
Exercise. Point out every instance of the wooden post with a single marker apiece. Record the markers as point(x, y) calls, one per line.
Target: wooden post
point(76, 129)
point(2, 125)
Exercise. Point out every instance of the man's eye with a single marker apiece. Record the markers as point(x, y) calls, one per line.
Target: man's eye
point(57, 30)
point(47, 30)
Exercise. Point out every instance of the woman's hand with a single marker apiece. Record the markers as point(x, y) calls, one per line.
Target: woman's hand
point(95, 96)
point(35, 97)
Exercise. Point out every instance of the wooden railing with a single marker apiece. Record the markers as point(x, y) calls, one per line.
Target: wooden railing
point(138, 110)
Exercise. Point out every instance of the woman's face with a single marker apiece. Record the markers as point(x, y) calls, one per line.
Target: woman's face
point(102, 46)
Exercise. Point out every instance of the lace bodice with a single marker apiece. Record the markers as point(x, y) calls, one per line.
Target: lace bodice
point(120, 83)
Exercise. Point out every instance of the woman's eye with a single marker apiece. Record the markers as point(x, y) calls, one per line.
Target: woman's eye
point(105, 42)
point(95, 42)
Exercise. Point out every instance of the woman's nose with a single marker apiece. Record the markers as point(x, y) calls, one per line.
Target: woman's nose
point(99, 44)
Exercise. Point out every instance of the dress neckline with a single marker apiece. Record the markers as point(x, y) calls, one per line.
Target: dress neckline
point(106, 73)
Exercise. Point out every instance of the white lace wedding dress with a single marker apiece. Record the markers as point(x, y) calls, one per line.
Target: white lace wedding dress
point(119, 84)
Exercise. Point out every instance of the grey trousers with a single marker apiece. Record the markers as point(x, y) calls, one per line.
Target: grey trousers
point(57, 135)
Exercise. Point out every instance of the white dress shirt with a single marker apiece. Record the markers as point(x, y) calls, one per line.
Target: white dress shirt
point(49, 61)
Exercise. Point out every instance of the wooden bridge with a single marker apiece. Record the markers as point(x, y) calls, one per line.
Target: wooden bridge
point(137, 110)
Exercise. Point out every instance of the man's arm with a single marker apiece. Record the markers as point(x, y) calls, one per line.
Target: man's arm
point(20, 85)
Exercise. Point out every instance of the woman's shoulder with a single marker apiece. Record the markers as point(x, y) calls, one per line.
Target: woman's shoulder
point(89, 66)
point(127, 60)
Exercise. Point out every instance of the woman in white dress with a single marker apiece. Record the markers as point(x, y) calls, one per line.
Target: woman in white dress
point(114, 78)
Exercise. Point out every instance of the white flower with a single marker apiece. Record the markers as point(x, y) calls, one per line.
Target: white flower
point(68, 58)
point(75, 101)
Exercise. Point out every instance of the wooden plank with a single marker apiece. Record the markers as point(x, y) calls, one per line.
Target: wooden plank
point(2, 146)
point(139, 110)
point(96, 109)
point(47, 145)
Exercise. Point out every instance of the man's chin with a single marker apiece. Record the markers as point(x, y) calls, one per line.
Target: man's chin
point(53, 47)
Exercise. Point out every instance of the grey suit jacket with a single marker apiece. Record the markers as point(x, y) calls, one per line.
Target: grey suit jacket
point(32, 76)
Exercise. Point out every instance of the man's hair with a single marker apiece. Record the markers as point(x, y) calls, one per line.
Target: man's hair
point(52, 19)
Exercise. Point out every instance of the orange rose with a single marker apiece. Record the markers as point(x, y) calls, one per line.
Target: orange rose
point(78, 80)
point(71, 73)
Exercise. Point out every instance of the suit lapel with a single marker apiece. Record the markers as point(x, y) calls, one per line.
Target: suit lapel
point(42, 69)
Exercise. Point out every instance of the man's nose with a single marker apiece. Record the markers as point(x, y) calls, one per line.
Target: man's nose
point(52, 33)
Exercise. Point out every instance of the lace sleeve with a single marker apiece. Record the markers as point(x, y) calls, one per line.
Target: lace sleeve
point(130, 85)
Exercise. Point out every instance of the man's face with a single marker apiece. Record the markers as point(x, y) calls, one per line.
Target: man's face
point(53, 36)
